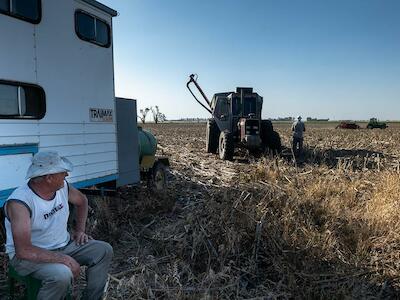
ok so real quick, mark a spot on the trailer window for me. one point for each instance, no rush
(102, 32)
(21, 101)
(85, 26)
(27, 10)
(92, 29)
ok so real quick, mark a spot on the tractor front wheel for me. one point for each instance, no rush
(212, 133)
(226, 146)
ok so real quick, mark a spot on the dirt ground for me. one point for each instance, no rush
(256, 227)
(205, 242)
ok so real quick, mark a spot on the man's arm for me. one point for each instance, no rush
(19, 217)
(80, 202)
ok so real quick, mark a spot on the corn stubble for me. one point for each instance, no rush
(266, 228)
(261, 228)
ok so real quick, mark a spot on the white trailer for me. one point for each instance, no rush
(57, 89)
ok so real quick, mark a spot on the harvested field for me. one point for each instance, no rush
(260, 227)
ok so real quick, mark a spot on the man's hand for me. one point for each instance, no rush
(81, 238)
(72, 264)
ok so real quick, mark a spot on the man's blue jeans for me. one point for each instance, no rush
(297, 146)
(57, 278)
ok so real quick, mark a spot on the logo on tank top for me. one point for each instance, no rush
(53, 211)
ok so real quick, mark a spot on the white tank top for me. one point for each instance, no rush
(48, 218)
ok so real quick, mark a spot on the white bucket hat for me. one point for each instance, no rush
(48, 162)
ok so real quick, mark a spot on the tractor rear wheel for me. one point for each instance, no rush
(226, 146)
(266, 127)
(212, 133)
(273, 142)
(270, 139)
(266, 130)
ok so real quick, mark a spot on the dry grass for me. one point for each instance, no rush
(261, 228)
(269, 230)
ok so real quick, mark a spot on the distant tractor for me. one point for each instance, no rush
(374, 123)
(348, 125)
(236, 122)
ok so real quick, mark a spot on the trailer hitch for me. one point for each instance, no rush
(194, 80)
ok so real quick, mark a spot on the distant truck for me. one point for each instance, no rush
(348, 125)
(374, 123)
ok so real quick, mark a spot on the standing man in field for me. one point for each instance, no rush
(298, 128)
(38, 243)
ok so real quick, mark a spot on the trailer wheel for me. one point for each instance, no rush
(159, 177)
(212, 133)
(226, 146)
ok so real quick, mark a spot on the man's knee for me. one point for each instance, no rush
(60, 275)
(56, 280)
(103, 249)
(108, 250)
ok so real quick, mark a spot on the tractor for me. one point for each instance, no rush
(374, 123)
(236, 122)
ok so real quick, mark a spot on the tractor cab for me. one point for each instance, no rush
(232, 110)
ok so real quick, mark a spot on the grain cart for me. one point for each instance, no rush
(236, 122)
(347, 125)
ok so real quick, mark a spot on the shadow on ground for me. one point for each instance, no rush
(354, 159)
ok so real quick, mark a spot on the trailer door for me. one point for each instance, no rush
(127, 140)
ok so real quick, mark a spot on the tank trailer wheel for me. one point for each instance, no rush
(159, 177)
(226, 146)
(212, 133)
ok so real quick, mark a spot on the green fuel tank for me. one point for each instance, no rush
(147, 143)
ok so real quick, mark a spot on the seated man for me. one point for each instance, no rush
(38, 242)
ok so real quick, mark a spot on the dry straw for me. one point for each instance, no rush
(261, 228)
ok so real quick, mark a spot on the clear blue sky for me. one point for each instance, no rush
(337, 59)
